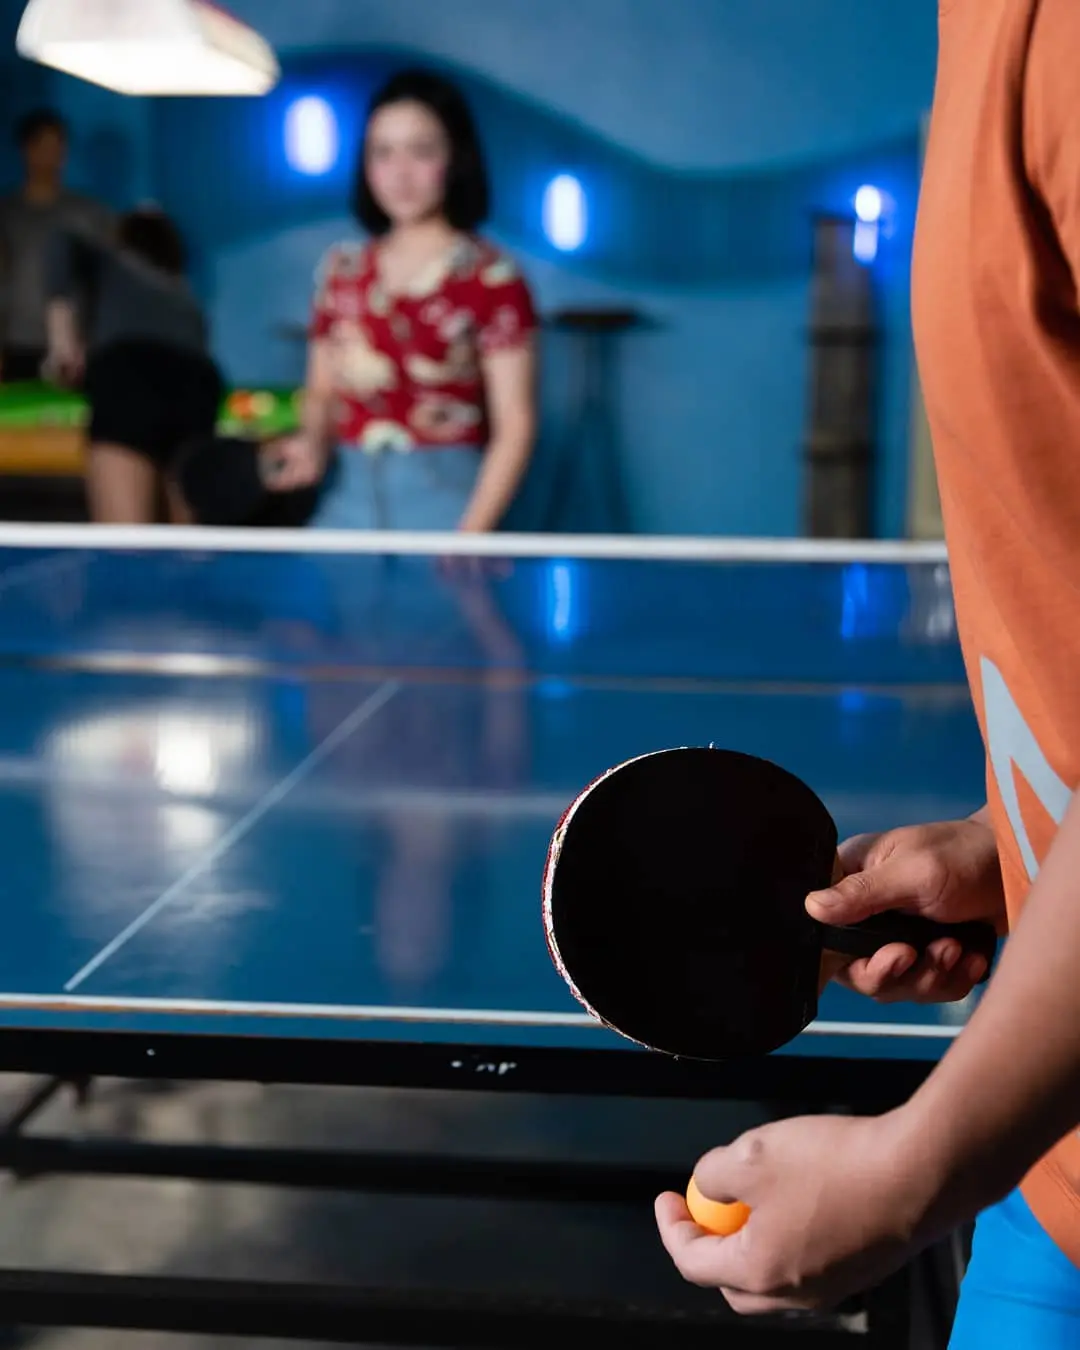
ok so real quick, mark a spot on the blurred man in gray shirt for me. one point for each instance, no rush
(28, 218)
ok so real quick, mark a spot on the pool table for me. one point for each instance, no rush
(42, 427)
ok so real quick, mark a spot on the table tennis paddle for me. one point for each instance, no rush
(228, 480)
(674, 905)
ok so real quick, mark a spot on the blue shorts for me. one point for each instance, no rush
(1020, 1289)
(425, 489)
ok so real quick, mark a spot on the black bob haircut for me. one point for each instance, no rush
(467, 197)
(152, 236)
(31, 125)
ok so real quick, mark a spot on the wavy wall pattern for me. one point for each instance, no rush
(222, 171)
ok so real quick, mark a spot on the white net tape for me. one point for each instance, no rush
(673, 548)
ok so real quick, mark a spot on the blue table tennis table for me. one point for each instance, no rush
(281, 815)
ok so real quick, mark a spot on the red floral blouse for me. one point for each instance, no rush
(406, 368)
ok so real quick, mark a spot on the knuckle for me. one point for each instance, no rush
(857, 846)
(933, 874)
(907, 839)
(749, 1150)
(882, 988)
(881, 849)
(930, 985)
(856, 886)
(908, 844)
(863, 982)
(709, 1161)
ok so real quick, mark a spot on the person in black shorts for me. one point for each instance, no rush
(144, 361)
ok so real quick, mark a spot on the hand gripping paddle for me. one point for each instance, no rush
(674, 904)
(228, 480)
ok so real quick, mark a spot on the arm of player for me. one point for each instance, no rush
(510, 383)
(317, 419)
(837, 1203)
(67, 258)
(65, 358)
(300, 460)
(1009, 1089)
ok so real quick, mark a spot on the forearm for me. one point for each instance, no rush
(317, 415)
(61, 325)
(504, 465)
(1009, 1088)
(317, 419)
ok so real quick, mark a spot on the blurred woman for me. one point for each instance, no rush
(144, 362)
(420, 403)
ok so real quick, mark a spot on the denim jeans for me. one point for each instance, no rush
(426, 489)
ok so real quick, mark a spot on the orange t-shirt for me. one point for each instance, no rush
(997, 322)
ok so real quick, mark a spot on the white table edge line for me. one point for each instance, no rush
(76, 1003)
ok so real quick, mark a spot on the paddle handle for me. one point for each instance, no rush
(868, 937)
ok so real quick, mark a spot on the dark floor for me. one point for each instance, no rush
(180, 1228)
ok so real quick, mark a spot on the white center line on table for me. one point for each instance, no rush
(373, 704)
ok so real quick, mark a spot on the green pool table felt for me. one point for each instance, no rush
(261, 412)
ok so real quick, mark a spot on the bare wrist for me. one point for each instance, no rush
(932, 1197)
(477, 519)
(318, 444)
(954, 1167)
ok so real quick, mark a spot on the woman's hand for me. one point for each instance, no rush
(509, 389)
(948, 872)
(294, 462)
(65, 364)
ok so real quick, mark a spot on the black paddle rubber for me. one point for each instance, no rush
(674, 904)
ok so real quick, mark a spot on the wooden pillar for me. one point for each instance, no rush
(840, 444)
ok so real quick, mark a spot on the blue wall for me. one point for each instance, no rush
(706, 133)
(21, 86)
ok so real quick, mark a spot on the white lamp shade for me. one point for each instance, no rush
(149, 47)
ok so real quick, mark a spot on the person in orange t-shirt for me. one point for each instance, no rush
(837, 1203)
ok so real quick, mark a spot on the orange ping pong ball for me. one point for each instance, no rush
(713, 1215)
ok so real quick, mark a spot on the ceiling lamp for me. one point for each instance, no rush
(149, 47)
